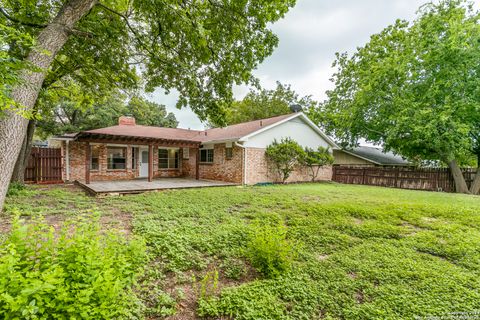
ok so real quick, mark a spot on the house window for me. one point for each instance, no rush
(186, 153)
(228, 153)
(134, 158)
(206, 155)
(116, 158)
(94, 156)
(168, 158)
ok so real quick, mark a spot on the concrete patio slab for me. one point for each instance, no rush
(142, 185)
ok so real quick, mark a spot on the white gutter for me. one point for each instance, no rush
(244, 161)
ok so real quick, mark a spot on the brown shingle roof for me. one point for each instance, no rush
(232, 132)
(149, 132)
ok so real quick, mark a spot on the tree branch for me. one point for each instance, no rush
(28, 24)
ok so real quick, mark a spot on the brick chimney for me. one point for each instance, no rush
(126, 121)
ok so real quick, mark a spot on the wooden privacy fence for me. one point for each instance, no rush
(433, 179)
(44, 166)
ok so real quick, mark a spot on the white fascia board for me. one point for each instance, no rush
(219, 141)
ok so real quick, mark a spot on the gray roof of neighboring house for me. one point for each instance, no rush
(377, 156)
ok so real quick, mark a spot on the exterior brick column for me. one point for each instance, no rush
(197, 164)
(150, 163)
(87, 163)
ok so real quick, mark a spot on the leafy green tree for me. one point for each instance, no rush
(284, 156)
(316, 159)
(73, 113)
(261, 104)
(414, 87)
(200, 48)
(10, 66)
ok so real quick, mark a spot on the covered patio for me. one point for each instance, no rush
(143, 185)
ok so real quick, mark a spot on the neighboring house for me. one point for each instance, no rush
(40, 143)
(233, 154)
(364, 156)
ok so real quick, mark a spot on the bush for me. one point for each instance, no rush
(269, 251)
(316, 159)
(284, 156)
(78, 272)
(15, 189)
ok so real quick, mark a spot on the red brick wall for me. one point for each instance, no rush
(259, 170)
(77, 165)
(222, 169)
(188, 165)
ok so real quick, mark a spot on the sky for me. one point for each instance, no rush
(309, 36)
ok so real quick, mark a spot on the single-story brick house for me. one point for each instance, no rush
(232, 154)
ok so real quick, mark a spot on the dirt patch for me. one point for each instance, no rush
(359, 297)
(118, 221)
(322, 257)
(429, 219)
(357, 221)
(413, 229)
(186, 308)
(5, 224)
(237, 208)
(311, 198)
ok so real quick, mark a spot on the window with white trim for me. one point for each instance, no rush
(168, 158)
(206, 155)
(94, 157)
(228, 153)
(116, 158)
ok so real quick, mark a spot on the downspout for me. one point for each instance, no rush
(67, 160)
(244, 161)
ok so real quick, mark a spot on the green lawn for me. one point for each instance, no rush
(360, 252)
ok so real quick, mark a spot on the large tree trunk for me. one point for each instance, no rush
(49, 41)
(475, 187)
(460, 184)
(22, 160)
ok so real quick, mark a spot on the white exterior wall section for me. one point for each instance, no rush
(296, 129)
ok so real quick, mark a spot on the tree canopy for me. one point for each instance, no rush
(263, 103)
(414, 87)
(11, 65)
(73, 114)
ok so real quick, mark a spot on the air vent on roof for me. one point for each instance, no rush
(296, 108)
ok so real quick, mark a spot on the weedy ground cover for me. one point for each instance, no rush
(307, 251)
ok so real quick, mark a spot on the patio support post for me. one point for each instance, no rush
(150, 163)
(197, 165)
(87, 163)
